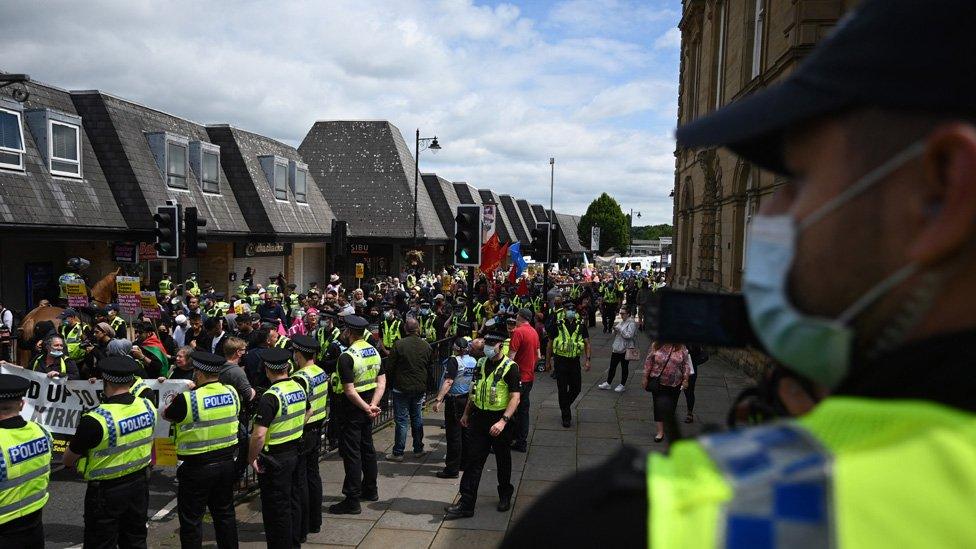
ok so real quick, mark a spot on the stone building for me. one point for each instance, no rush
(730, 48)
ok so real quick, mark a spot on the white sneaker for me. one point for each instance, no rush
(619, 388)
(603, 386)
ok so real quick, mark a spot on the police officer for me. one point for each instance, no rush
(391, 328)
(315, 382)
(276, 440)
(75, 266)
(112, 449)
(117, 322)
(358, 385)
(205, 421)
(273, 287)
(326, 334)
(427, 320)
(75, 333)
(292, 300)
(165, 286)
(25, 451)
(191, 286)
(874, 137)
(492, 402)
(568, 340)
(453, 397)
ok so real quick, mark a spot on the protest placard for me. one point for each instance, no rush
(150, 307)
(77, 293)
(129, 295)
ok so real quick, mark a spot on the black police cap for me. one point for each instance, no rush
(13, 387)
(207, 362)
(495, 336)
(118, 369)
(356, 322)
(895, 54)
(305, 343)
(276, 359)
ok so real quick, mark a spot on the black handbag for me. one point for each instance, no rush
(654, 382)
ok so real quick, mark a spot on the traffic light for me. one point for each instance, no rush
(540, 242)
(196, 234)
(167, 232)
(340, 236)
(467, 235)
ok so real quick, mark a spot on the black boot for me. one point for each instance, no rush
(348, 506)
(445, 474)
(457, 511)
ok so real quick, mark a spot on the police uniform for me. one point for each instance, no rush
(118, 324)
(460, 369)
(74, 336)
(281, 409)
(191, 286)
(492, 385)
(205, 422)
(390, 328)
(115, 441)
(428, 329)
(25, 453)
(315, 382)
(360, 365)
(165, 286)
(568, 340)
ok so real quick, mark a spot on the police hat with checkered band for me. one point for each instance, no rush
(118, 369)
(305, 344)
(276, 359)
(207, 362)
(13, 387)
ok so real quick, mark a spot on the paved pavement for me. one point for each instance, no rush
(411, 507)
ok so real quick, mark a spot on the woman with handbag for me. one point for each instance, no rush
(623, 350)
(666, 372)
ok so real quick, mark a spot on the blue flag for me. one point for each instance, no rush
(515, 252)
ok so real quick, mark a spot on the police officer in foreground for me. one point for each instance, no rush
(494, 397)
(276, 440)
(876, 131)
(205, 421)
(358, 385)
(315, 382)
(25, 451)
(112, 448)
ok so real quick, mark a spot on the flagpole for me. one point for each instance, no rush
(545, 256)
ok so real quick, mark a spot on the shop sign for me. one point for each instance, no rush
(262, 249)
(125, 252)
(147, 251)
(359, 249)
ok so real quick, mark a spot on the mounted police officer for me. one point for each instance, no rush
(205, 421)
(75, 266)
(25, 451)
(358, 385)
(494, 396)
(315, 382)
(276, 440)
(112, 448)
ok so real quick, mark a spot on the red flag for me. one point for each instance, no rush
(523, 287)
(489, 255)
(511, 275)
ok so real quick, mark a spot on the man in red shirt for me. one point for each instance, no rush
(524, 350)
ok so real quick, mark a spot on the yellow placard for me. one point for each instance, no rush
(360, 270)
(147, 300)
(127, 285)
(75, 289)
(165, 451)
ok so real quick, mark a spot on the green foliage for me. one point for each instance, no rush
(651, 232)
(605, 212)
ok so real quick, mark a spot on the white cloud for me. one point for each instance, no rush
(669, 40)
(503, 91)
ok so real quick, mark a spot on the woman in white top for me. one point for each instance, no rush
(624, 337)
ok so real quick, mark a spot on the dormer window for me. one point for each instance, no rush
(276, 170)
(205, 161)
(11, 139)
(172, 158)
(58, 138)
(298, 173)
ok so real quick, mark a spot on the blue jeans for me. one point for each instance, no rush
(406, 406)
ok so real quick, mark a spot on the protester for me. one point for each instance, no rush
(666, 371)
(410, 363)
(524, 350)
(183, 363)
(624, 339)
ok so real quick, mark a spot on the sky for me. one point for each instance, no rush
(503, 85)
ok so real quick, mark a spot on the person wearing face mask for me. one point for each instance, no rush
(205, 422)
(54, 362)
(391, 328)
(569, 339)
(326, 334)
(876, 137)
(427, 320)
(494, 397)
(75, 333)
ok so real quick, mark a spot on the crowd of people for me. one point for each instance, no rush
(266, 366)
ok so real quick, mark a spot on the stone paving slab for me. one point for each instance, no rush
(412, 500)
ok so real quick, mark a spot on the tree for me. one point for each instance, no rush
(651, 232)
(605, 212)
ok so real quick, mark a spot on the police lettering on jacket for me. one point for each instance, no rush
(27, 450)
(216, 401)
(136, 423)
(294, 396)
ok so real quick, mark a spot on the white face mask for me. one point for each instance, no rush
(491, 352)
(818, 348)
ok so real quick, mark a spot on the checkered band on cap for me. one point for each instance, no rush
(127, 378)
(12, 395)
(204, 367)
(277, 367)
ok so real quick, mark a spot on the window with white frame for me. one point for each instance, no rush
(210, 168)
(299, 180)
(11, 140)
(176, 165)
(757, 36)
(722, 15)
(65, 149)
(281, 181)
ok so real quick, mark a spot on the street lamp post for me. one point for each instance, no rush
(630, 231)
(432, 144)
(552, 222)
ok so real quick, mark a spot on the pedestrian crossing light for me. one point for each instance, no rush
(196, 234)
(540, 242)
(467, 235)
(167, 232)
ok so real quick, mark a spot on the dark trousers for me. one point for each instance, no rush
(116, 513)
(26, 532)
(457, 436)
(203, 487)
(299, 498)
(313, 478)
(609, 315)
(358, 454)
(618, 358)
(665, 402)
(522, 416)
(243, 443)
(277, 512)
(690, 392)
(568, 381)
(481, 443)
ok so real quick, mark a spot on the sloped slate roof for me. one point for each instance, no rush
(118, 129)
(515, 219)
(541, 214)
(527, 216)
(35, 197)
(466, 193)
(502, 224)
(366, 172)
(444, 198)
(569, 233)
(239, 153)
